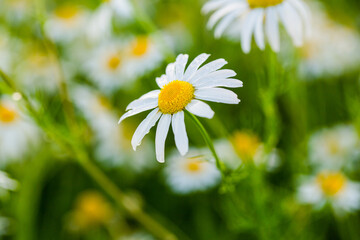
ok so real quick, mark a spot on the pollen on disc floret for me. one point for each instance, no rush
(175, 96)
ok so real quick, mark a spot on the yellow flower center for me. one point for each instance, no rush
(263, 3)
(7, 115)
(246, 145)
(194, 166)
(175, 96)
(113, 62)
(140, 46)
(331, 182)
(67, 12)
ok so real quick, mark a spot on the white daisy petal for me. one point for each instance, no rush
(304, 13)
(180, 65)
(248, 26)
(212, 5)
(161, 134)
(230, 83)
(259, 31)
(292, 22)
(216, 16)
(143, 108)
(162, 81)
(140, 103)
(225, 22)
(217, 75)
(149, 95)
(145, 127)
(170, 72)
(208, 68)
(272, 29)
(219, 95)
(179, 129)
(194, 65)
(200, 109)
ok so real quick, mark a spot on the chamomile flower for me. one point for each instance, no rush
(344, 41)
(18, 132)
(66, 23)
(333, 148)
(112, 143)
(191, 173)
(332, 187)
(259, 18)
(182, 90)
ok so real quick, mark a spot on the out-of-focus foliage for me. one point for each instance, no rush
(290, 149)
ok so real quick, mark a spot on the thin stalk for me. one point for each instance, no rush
(204, 133)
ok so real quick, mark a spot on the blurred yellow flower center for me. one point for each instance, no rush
(331, 183)
(113, 62)
(67, 12)
(7, 115)
(263, 3)
(175, 96)
(193, 165)
(246, 145)
(140, 46)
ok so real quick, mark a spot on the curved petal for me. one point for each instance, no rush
(161, 133)
(259, 31)
(162, 81)
(292, 22)
(225, 22)
(304, 13)
(248, 26)
(150, 95)
(170, 72)
(180, 64)
(231, 83)
(194, 65)
(223, 11)
(212, 5)
(143, 108)
(219, 95)
(217, 75)
(179, 129)
(200, 109)
(144, 127)
(140, 103)
(272, 29)
(208, 68)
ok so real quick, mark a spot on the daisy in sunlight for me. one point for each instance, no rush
(260, 18)
(18, 132)
(182, 90)
(330, 187)
(191, 173)
(66, 23)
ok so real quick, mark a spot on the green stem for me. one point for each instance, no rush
(207, 139)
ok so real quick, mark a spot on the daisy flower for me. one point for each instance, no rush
(191, 173)
(333, 148)
(332, 187)
(182, 90)
(259, 18)
(66, 23)
(18, 132)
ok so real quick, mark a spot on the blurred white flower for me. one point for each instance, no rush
(6, 184)
(182, 90)
(112, 146)
(17, 131)
(331, 187)
(316, 58)
(38, 71)
(66, 23)
(333, 148)
(259, 18)
(15, 11)
(192, 172)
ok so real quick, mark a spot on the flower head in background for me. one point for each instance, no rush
(17, 130)
(335, 147)
(191, 173)
(332, 187)
(182, 90)
(91, 210)
(246, 145)
(260, 18)
(6, 184)
(344, 41)
(66, 23)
